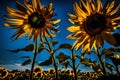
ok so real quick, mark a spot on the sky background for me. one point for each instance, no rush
(12, 60)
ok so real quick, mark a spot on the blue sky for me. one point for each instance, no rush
(12, 60)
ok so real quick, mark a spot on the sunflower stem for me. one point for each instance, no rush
(34, 58)
(73, 64)
(51, 54)
(101, 62)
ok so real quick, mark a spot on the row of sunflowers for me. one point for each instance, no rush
(93, 24)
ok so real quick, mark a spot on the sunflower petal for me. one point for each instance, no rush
(50, 6)
(28, 5)
(111, 6)
(34, 3)
(72, 16)
(99, 5)
(109, 38)
(73, 28)
(79, 11)
(56, 21)
(91, 41)
(71, 21)
(84, 6)
(21, 7)
(113, 11)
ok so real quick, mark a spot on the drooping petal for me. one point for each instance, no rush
(113, 11)
(21, 7)
(73, 28)
(110, 7)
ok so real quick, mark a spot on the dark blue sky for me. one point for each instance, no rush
(11, 60)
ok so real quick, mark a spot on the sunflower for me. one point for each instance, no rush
(3, 74)
(37, 69)
(93, 23)
(33, 20)
(51, 71)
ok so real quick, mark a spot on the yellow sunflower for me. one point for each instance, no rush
(93, 23)
(37, 69)
(33, 19)
(3, 74)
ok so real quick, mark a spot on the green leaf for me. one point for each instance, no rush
(46, 62)
(41, 47)
(28, 61)
(65, 46)
(25, 57)
(54, 42)
(110, 52)
(62, 57)
(109, 66)
(66, 63)
(27, 48)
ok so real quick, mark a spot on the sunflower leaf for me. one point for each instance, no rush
(28, 61)
(62, 57)
(27, 48)
(109, 66)
(65, 46)
(46, 62)
(66, 63)
(25, 57)
(54, 42)
(41, 48)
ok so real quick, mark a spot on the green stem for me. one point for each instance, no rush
(51, 54)
(34, 58)
(73, 64)
(101, 62)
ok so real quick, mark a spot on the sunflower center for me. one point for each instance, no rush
(95, 24)
(36, 20)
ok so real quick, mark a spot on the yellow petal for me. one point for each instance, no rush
(111, 6)
(28, 5)
(50, 6)
(72, 16)
(56, 21)
(73, 28)
(99, 5)
(71, 21)
(85, 6)
(34, 4)
(115, 10)
(79, 11)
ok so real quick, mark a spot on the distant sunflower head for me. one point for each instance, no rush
(51, 71)
(93, 23)
(3, 74)
(37, 69)
(33, 19)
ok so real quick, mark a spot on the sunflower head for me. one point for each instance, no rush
(34, 19)
(37, 69)
(3, 74)
(93, 23)
(51, 71)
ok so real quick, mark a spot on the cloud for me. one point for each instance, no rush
(16, 66)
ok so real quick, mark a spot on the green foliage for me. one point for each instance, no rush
(28, 61)
(46, 62)
(62, 57)
(65, 46)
